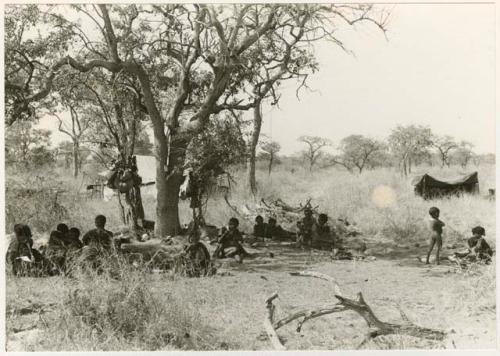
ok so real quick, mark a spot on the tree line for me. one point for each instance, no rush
(405, 147)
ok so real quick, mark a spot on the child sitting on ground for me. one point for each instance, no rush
(231, 239)
(305, 226)
(322, 236)
(436, 230)
(259, 229)
(275, 231)
(25, 260)
(478, 245)
(195, 258)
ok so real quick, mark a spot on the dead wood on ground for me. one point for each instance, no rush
(376, 326)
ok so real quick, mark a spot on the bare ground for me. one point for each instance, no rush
(233, 302)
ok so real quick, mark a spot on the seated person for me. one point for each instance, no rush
(56, 249)
(74, 239)
(479, 246)
(322, 235)
(195, 259)
(99, 237)
(25, 260)
(275, 231)
(259, 229)
(64, 230)
(305, 226)
(230, 242)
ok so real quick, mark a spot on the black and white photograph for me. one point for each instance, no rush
(251, 176)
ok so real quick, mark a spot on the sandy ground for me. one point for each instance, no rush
(233, 302)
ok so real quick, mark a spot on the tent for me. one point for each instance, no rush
(429, 187)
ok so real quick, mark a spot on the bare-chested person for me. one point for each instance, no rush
(99, 237)
(305, 226)
(322, 236)
(436, 230)
(195, 258)
(231, 239)
(25, 260)
(259, 229)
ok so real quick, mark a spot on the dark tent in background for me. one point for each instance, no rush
(429, 187)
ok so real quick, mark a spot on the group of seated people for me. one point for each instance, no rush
(315, 233)
(64, 246)
(311, 232)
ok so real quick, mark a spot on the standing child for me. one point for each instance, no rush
(436, 229)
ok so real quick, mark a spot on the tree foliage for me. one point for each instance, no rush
(444, 146)
(409, 144)
(269, 153)
(357, 151)
(314, 146)
(27, 146)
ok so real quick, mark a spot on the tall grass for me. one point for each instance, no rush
(337, 192)
(118, 309)
(344, 195)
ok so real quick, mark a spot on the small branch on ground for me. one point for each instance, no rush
(268, 323)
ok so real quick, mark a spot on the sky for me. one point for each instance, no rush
(435, 67)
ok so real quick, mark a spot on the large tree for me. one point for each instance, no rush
(444, 146)
(188, 60)
(408, 144)
(357, 151)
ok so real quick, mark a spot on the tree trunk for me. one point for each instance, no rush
(76, 165)
(168, 181)
(257, 124)
(122, 209)
(133, 209)
(270, 163)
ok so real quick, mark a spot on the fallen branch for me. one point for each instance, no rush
(379, 328)
(320, 276)
(376, 326)
(268, 323)
(307, 315)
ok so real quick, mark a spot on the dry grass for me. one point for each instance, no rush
(139, 311)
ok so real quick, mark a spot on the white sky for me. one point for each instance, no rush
(437, 68)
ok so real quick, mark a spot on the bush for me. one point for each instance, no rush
(33, 201)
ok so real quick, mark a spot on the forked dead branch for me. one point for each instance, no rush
(376, 326)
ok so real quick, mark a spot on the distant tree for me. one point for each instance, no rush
(65, 149)
(313, 151)
(269, 153)
(23, 143)
(358, 152)
(464, 154)
(444, 146)
(409, 144)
